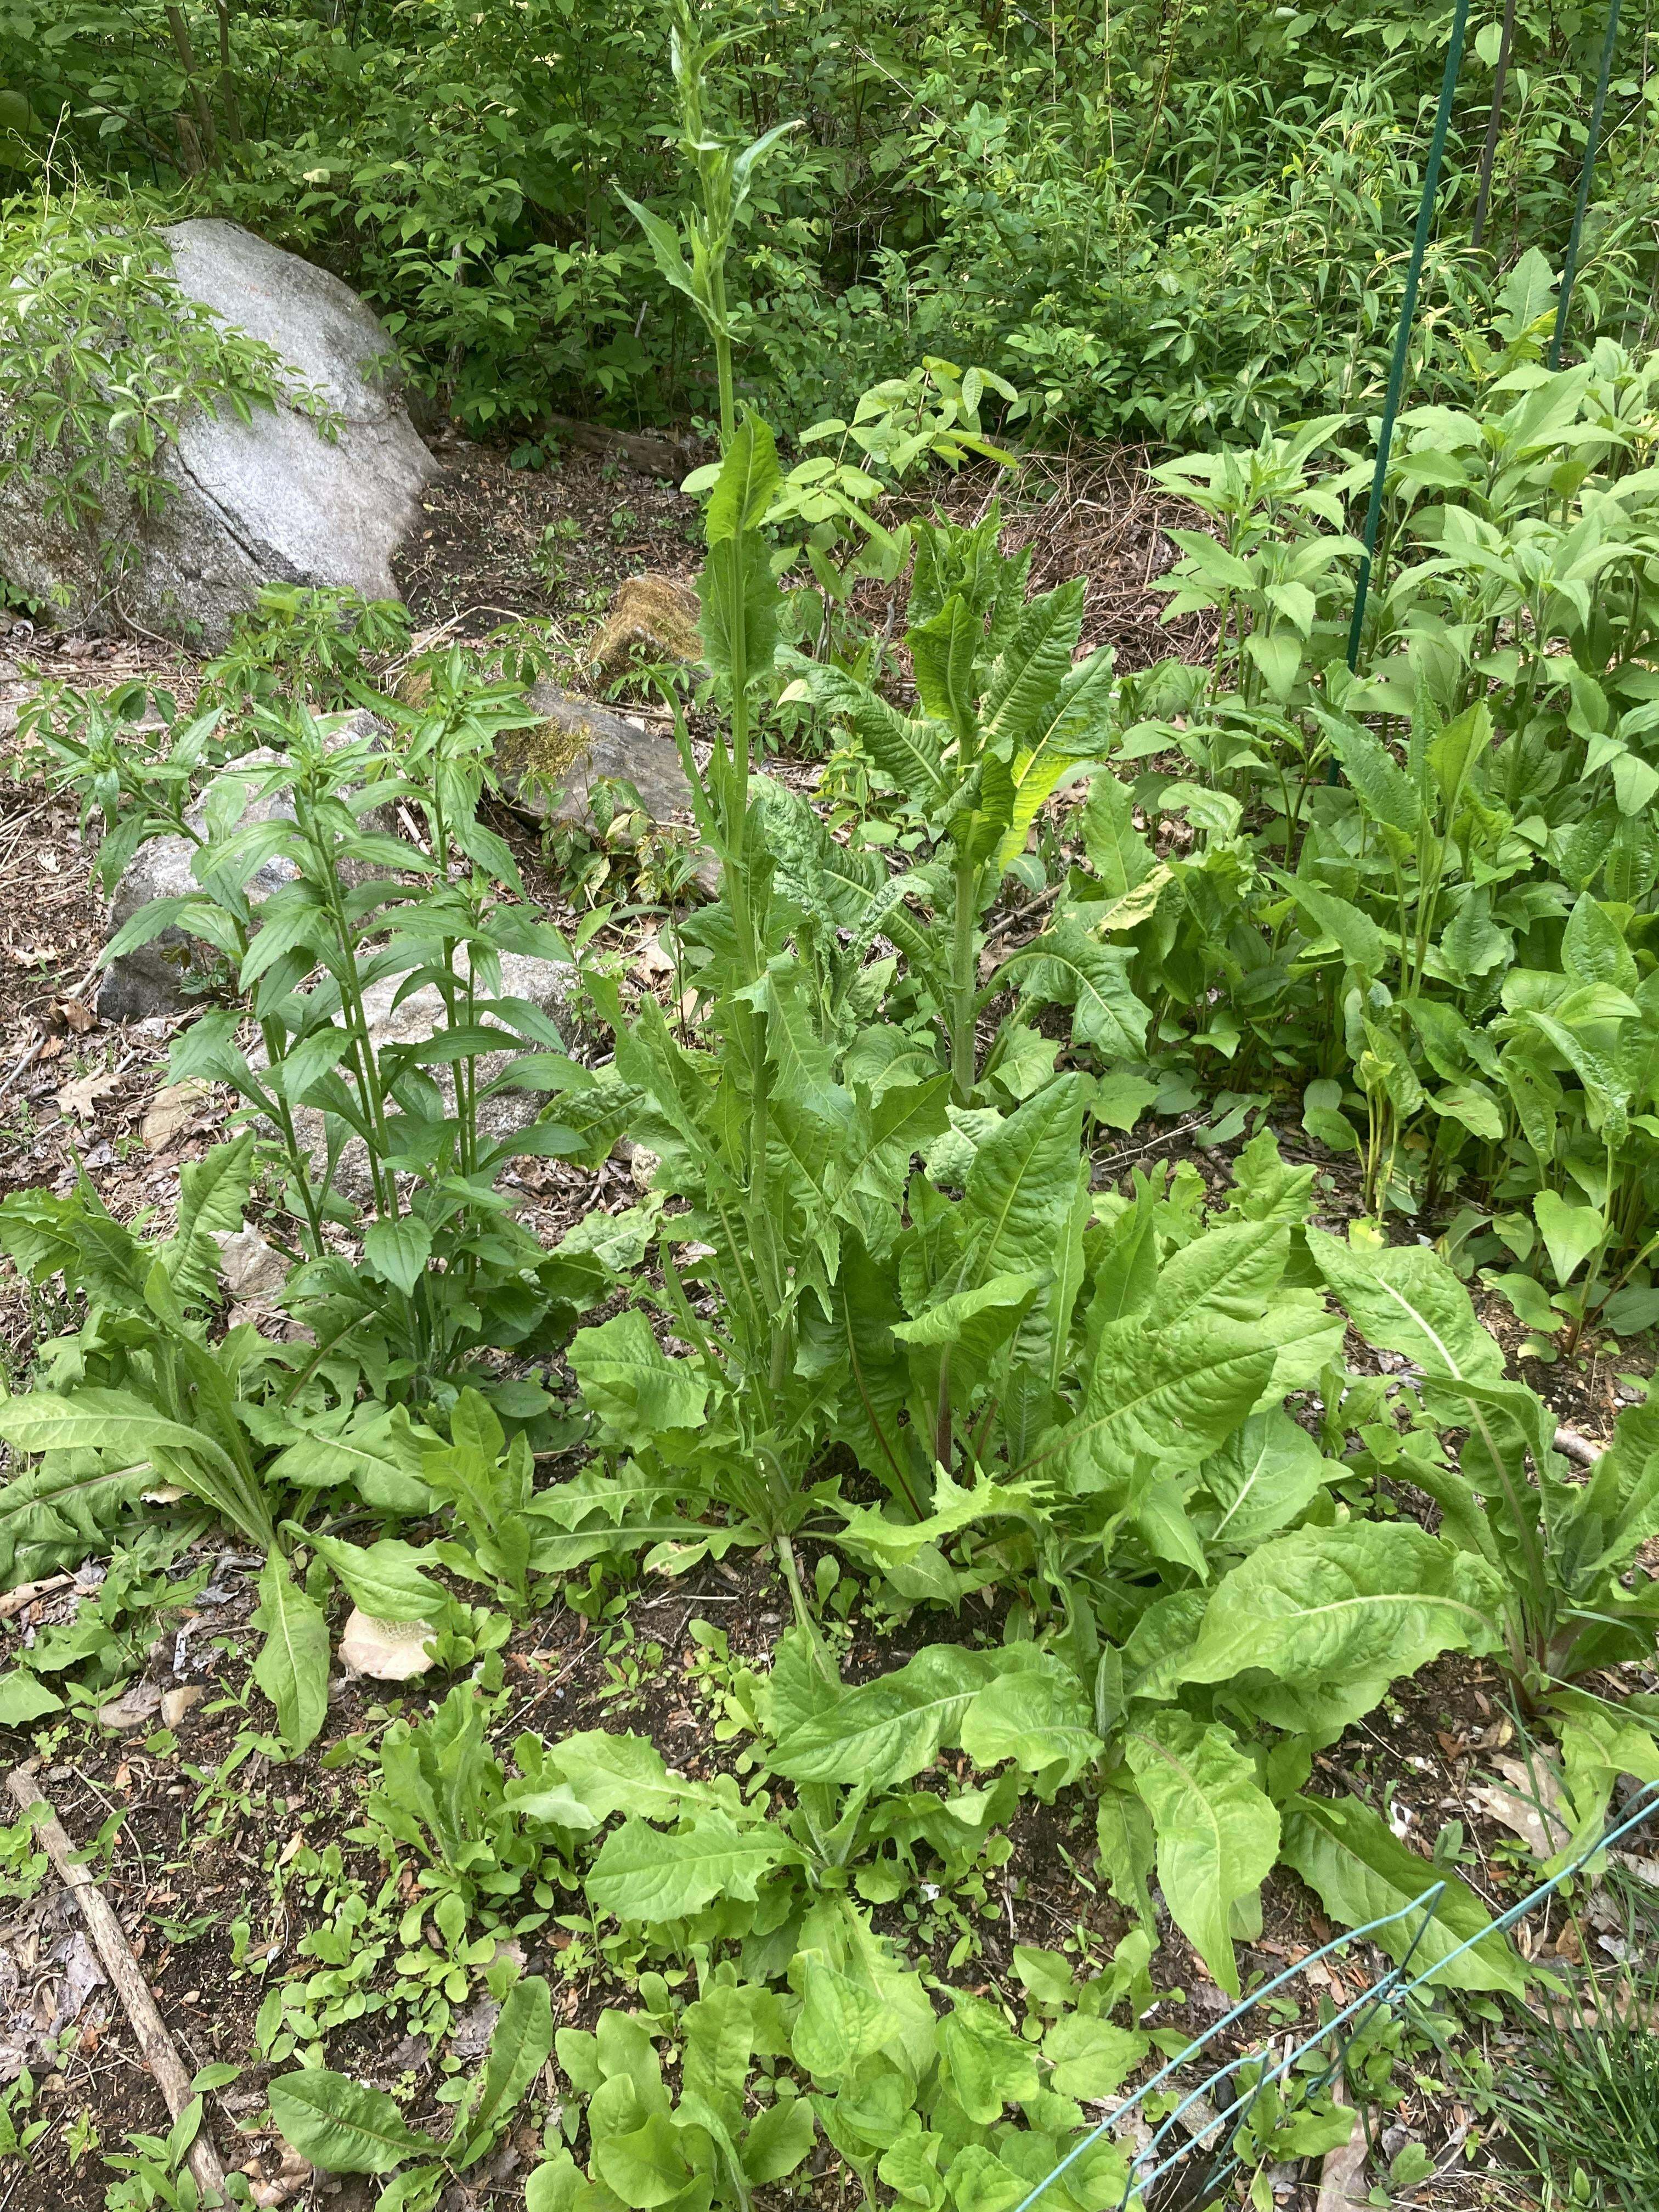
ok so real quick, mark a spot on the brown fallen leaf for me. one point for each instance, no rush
(651, 960)
(70, 1014)
(171, 1112)
(133, 1708)
(290, 2178)
(80, 1099)
(1531, 1807)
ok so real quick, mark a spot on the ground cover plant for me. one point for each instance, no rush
(1112, 1178)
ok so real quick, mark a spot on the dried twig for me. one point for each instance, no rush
(1569, 1442)
(27, 1061)
(160, 2052)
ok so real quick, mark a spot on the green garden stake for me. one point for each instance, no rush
(1591, 145)
(1407, 310)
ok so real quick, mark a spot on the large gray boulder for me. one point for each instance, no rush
(270, 500)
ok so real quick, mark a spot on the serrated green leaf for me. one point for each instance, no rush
(1361, 1872)
(642, 1873)
(1216, 1833)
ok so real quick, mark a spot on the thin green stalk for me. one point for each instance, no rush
(963, 981)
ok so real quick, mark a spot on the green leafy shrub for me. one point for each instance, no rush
(103, 359)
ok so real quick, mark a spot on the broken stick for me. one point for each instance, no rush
(160, 2052)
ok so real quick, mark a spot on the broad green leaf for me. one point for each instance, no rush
(342, 2125)
(1599, 1744)
(1092, 2059)
(942, 653)
(102, 1420)
(887, 1542)
(616, 1774)
(1475, 1106)
(642, 1873)
(24, 1698)
(519, 2049)
(1336, 1614)
(1384, 790)
(1358, 938)
(630, 1383)
(212, 1192)
(646, 2167)
(908, 750)
(1404, 1299)
(1119, 853)
(1123, 1832)
(398, 1251)
(988, 2065)
(1593, 948)
(1217, 1834)
(1038, 1718)
(1278, 655)
(54, 1514)
(1231, 1270)
(380, 1453)
(292, 1666)
(1073, 729)
(739, 595)
(778, 2139)
(1067, 966)
(886, 1730)
(1266, 1473)
(384, 1578)
(746, 485)
(1021, 1183)
(1570, 1233)
(839, 2022)
(557, 2184)
(1453, 752)
(972, 1323)
(1361, 1872)
(1160, 1398)
(1030, 670)
(665, 249)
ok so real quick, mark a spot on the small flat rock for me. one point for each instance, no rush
(385, 1651)
(150, 982)
(175, 1703)
(547, 770)
(249, 1267)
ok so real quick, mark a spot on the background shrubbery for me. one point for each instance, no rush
(1183, 220)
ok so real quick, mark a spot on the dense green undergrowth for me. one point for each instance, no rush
(1184, 222)
(874, 1299)
(1175, 1489)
